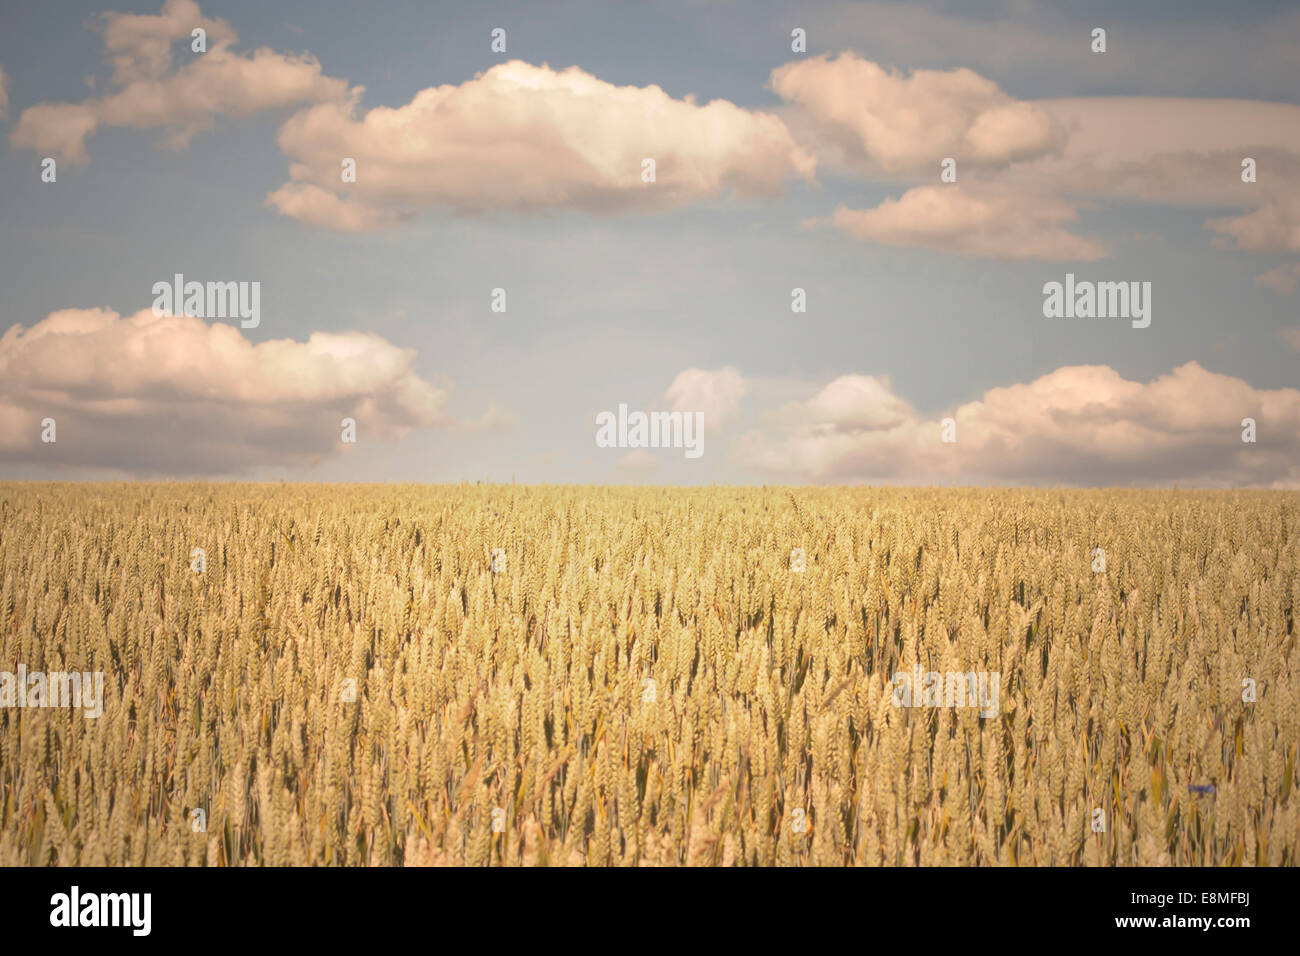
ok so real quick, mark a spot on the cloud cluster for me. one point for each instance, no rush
(166, 395)
(883, 124)
(526, 138)
(153, 92)
(1078, 425)
(1180, 151)
(1273, 228)
(716, 393)
(878, 120)
(986, 220)
(520, 137)
(1025, 168)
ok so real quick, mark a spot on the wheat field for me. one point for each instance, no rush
(501, 675)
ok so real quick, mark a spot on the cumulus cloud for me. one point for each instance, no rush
(1272, 228)
(996, 222)
(716, 393)
(1083, 425)
(1172, 151)
(153, 92)
(527, 138)
(154, 395)
(1169, 149)
(1039, 159)
(1182, 152)
(314, 206)
(883, 121)
(4, 95)
(1282, 280)
(857, 401)
(1291, 337)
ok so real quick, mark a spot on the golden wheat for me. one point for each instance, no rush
(644, 678)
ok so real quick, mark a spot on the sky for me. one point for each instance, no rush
(795, 147)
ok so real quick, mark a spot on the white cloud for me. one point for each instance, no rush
(1036, 161)
(1082, 425)
(523, 137)
(883, 121)
(314, 206)
(858, 401)
(1282, 280)
(153, 92)
(1272, 228)
(1182, 152)
(996, 222)
(1171, 149)
(1167, 150)
(177, 395)
(716, 393)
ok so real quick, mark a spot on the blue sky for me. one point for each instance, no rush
(610, 306)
